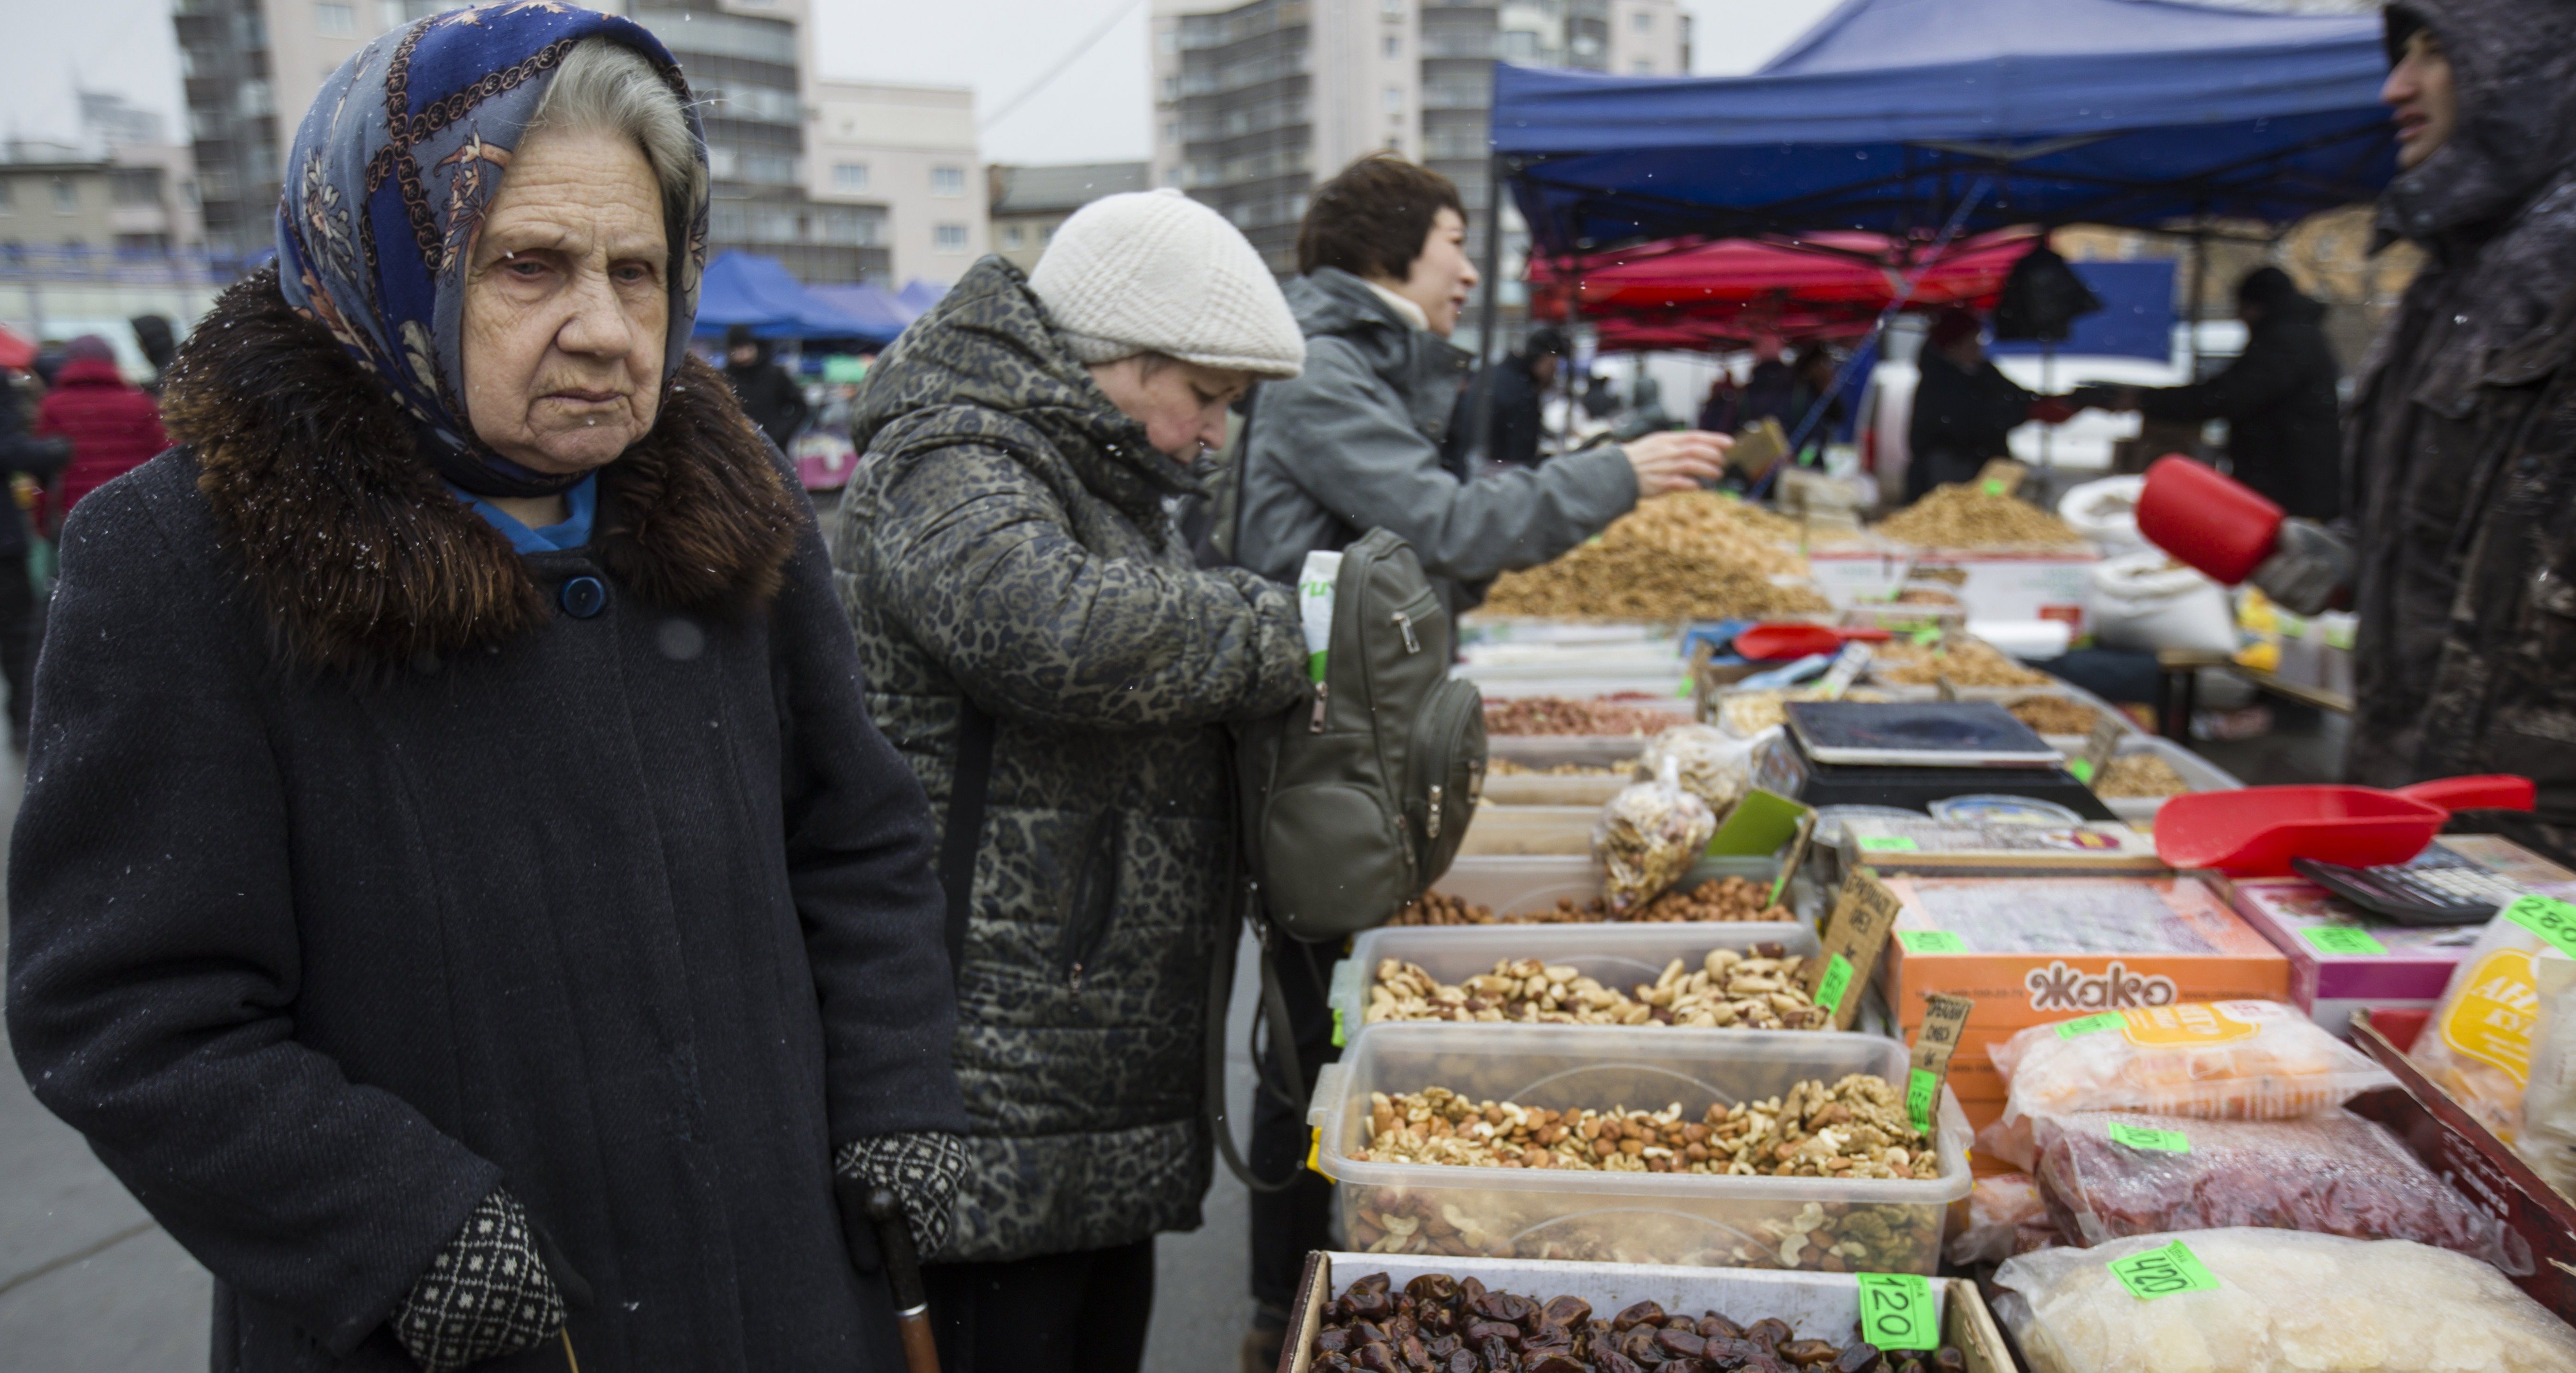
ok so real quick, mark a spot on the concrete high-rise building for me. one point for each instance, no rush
(252, 66)
(902, 159)
(1029, 202)
(1255, 103)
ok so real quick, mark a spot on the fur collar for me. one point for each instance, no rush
(364, 561)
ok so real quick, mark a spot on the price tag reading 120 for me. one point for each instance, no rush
(1896, 1311)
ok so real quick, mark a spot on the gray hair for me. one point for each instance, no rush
(604, 86)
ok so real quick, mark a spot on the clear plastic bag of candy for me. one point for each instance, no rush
(2273, 1301)
(2108, 1175)
(1649, 835)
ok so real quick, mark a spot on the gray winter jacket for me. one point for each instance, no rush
(1005, 542)
(2436, 413)
(1353, 444)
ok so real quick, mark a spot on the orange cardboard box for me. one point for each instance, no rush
(2034, 950)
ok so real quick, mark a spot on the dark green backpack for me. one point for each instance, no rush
(1355, 799)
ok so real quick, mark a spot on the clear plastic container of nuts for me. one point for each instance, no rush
(1813, 1116)
(1756, 989)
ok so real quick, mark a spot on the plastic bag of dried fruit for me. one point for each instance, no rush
(2108, 1175)
(2477, 1046)
(1649, 835)
(2548, 1141)
(2230, 1060)
(1716, 767)
(2006, 1216)
(2273, 1301)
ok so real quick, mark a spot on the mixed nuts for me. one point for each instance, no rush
(1726, 900)
(1757, 989)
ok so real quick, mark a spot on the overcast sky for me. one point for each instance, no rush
(1094, 112)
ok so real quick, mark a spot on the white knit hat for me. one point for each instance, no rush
(1158, 272)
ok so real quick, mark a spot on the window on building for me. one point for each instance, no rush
(134, 186)
(1642, 67)
(1169, 40)
(1392, 9)
(66, 195)
(849, 177)
(948, 181)
(1643, 21)
(948, 238)
(1171, 131)
(1395, 45)
(1395, 100)
(8, 195)
(335, 18)
(1014, 237)
(256, 100)
(1171, 89)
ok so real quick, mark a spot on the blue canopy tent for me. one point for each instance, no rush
(919, 294)
(748, 289)
(871, 305)
(1908, 116)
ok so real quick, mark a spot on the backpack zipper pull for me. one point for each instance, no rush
(1323, 692)
(1405, 622)
(1431, 827)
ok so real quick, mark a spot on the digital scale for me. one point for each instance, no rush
(1910, 754)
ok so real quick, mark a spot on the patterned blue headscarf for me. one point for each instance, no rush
(392, 171)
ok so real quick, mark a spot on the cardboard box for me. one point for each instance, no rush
(2483, 1168)
(2032, 951)
(2330, 986)
(1824, 1306)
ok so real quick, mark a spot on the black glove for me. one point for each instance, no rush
(923, 1169)
(2309, 567)
(491, 1291)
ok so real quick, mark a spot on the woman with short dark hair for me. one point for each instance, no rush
(459, 888)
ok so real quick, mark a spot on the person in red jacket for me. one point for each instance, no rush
(113, 426)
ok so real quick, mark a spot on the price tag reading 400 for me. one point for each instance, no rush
(1896, 1311)
(2163, 1272)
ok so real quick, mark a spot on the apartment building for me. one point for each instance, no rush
(1029, 202)
(902, 158)
(251, 67)
(1254, 103)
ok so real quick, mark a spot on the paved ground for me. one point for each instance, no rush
(88, 1284)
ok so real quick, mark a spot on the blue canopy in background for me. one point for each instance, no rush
(2136, 319)
(749, 289)
(1889, 113)
(883, 313)
(919, 294)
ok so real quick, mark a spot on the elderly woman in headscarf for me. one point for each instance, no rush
(460, 890)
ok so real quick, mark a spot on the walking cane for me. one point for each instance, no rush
(903, 1277)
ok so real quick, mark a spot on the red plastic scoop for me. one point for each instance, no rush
(2257, 831)
(1779, 639)
(2207, 519)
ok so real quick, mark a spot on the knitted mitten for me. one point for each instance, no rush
(923, 1169)
(486, 1294)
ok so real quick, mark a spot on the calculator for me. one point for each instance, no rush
(2439, 888)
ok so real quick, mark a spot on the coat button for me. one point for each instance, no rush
(583, 597)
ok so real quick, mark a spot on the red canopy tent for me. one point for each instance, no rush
(16, 352)
(1830, 285)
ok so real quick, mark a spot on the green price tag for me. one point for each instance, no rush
(1896, 1311)
(2552, 920)
(1835, 982)
(1337, 1027)
(2344, 939)
(1682, 692)
(1888, 843)
(1922, 1090)
(2089, 1025)
(2163, 1272)
(1994, 486)
(2082, 768)
(2142, 1137)
(1925, 635)
(1931, 941)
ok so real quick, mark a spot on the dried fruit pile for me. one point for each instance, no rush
(1440, 1324)
(2054, 714)
(1737, 989)
(1695, 555)
(1527, 715)
(2140, 774)
(1731, 900)
(1963, 660)
(1966, 515)
(1856, 1128)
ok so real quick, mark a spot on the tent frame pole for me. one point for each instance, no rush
(1482, 439)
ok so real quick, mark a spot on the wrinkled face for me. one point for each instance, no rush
(566, 308)
(1441, 275)
(1181, 404)
(2422, 98)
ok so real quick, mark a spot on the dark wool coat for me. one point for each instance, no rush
(2284, 431)
(1005, 541)
(358, 874)
(2438, 418)
(1962, 419)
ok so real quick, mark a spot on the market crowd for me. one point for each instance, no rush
(502, 892)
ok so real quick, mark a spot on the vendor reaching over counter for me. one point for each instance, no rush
(1965, 407)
